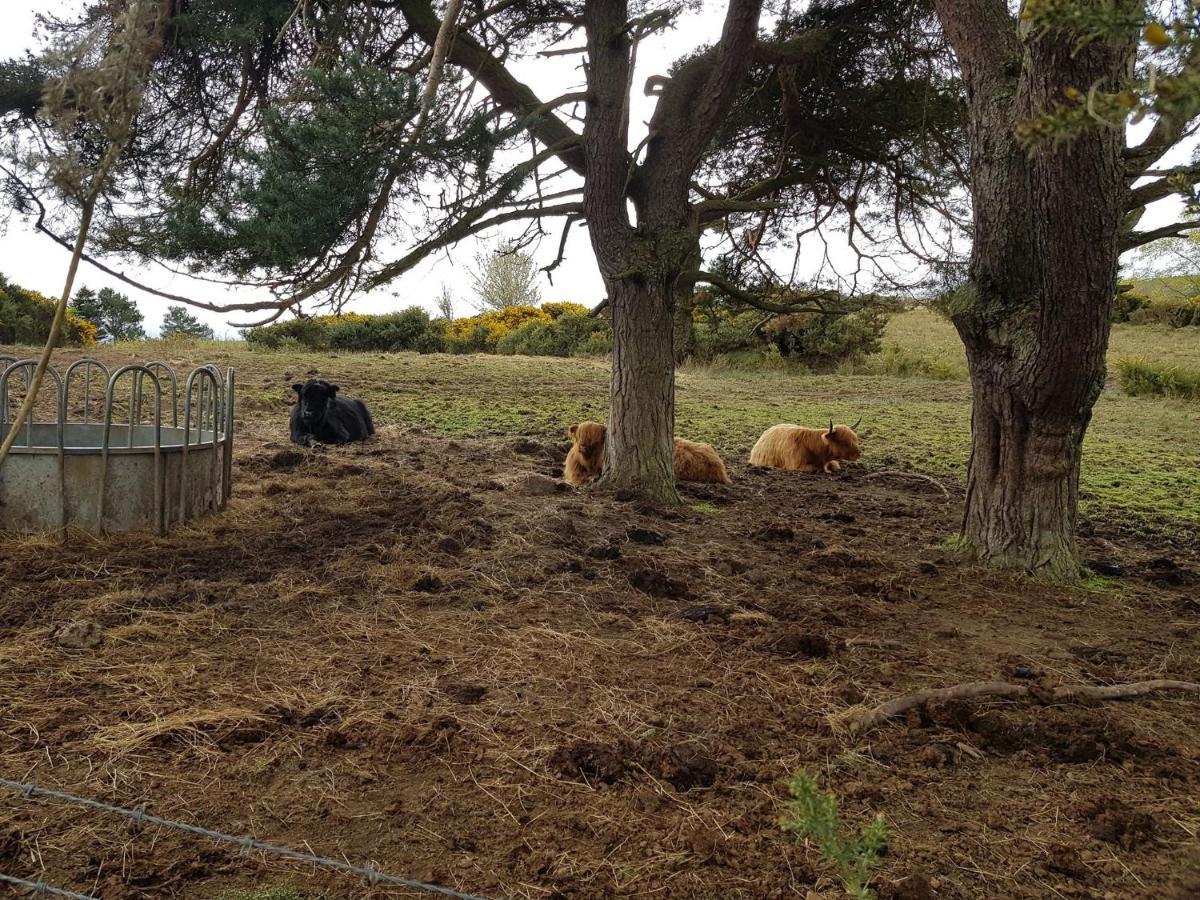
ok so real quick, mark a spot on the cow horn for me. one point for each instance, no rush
(856, 424)
(831, 426)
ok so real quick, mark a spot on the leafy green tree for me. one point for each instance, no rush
(505, 277)
(115, 316)
(179, 321)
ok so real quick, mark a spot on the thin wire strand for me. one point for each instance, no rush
(374, 876)
(40, 888)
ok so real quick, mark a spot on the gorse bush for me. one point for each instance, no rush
(26, 316)
(813, 813)
(557, 309)
(1140, 377)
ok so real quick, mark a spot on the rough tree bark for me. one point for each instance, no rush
(1034, 313)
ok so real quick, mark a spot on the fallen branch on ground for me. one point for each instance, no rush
(859, 719)
(896, 473)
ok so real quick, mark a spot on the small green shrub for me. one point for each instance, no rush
(1180, 313)
(1140, 377)
(813, 813)
(719, 332)
(898, 362)
(823, 342)
(1126, 302)
(311, 334)
(408, 329)
(569, 334)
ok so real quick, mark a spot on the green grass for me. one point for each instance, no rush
(923, 333)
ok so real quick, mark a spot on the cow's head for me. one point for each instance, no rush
(589, 438)
(315, 397)
(843, 441)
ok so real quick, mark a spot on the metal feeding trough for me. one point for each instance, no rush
(139, 456)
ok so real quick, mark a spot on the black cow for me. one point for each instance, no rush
(321, 415)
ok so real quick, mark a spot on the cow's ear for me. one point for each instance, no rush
(297, 387)
(333, 389)
(571, 431)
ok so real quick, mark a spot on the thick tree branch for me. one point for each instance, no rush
(751, 299)
(1133, 239)
(696, 100)
(513, 95)
(463, 228)
(1171, 181)
(983, 35)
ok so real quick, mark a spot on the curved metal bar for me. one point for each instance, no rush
(195, 383)
(159, 367)
(159, 482)
(227, 472)
(13, 365)
(88, 364)
(28, 365)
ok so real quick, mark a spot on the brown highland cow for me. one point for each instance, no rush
(806, 449)
(693, 461)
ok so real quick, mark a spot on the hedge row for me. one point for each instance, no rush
(554, 329)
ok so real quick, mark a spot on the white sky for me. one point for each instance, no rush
(36, 262)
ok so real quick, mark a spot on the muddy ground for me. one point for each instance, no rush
(414, 655)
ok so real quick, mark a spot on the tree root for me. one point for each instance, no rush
(859, 719)
(896, 473)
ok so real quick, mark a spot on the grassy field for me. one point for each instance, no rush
(928, 334)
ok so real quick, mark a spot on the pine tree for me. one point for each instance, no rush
(179, 321)
(115, 316)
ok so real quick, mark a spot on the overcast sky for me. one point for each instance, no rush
(35, 261)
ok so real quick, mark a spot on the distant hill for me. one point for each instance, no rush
(1168, 287)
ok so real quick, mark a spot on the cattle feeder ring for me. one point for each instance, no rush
(123, 450)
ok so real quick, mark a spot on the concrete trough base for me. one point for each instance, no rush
(43, 488)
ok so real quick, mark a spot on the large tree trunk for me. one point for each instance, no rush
(1023, 482)
(641, 263)
(1034, 314)
(641, 423)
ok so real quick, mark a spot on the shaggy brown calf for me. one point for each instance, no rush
(693, 461)
(806, 449)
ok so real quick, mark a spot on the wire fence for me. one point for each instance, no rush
(40, 888)
(373, 876)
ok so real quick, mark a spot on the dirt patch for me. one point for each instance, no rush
(393, 653)
(1116, 822)
(592, 762)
